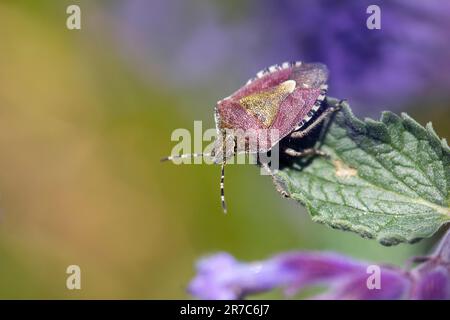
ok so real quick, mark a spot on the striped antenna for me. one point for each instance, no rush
(222, 189)
(184, 156)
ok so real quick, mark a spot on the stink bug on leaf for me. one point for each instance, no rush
(282, 97)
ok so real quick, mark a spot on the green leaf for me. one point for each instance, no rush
(385, 179)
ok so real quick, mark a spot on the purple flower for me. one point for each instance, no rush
(432, 278)
(432, 283)
(222, 277)
(403, 60)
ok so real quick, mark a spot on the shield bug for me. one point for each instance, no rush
(287, 98)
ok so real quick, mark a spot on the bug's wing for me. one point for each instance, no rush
(255, 110)
(278, 98)
(310, 75)
(304, 102)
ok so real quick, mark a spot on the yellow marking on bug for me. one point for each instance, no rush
(264, 105)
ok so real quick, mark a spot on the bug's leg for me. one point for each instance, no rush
(184, 156)
(277, 184)
(222, 188)
(305, 152)
(323, 116)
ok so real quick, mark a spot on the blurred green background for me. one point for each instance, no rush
(81, 135)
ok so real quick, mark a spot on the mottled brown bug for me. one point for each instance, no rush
(283, 97)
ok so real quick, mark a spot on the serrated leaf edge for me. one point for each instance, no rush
(360, 125)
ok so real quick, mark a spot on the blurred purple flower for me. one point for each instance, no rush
(222, 277)
(403, 60)
(432, 278)
(191, 44)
